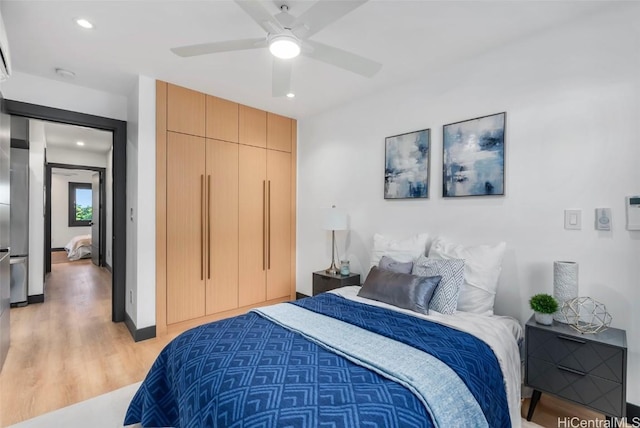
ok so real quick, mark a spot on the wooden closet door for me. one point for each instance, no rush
(222, 119)
(279, 227)
(185, 110)
(278, 132)
(252, 129)
(185, 227)
(222, 242)
(252, 266)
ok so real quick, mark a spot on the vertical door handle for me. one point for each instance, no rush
(269, 224)
(264, 220)
(208, 226)
(202, 227)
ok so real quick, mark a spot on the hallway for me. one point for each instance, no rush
(66, 349)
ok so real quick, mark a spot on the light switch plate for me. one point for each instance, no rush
(573, 219)
(603, 218)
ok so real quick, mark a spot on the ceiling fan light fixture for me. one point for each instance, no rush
(284, 46)
(291, 95)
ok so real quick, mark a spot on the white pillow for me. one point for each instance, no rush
(407, 250)
(482, 266)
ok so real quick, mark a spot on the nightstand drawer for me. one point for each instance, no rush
(323, 281)
(576, 353)
(595, 392)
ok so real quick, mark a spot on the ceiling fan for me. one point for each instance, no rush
(288, 36)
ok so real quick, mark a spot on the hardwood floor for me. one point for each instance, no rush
(67, 350)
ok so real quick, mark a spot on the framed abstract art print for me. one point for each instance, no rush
(406, 171)
(473, 157)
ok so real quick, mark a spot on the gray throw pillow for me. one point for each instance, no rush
(387, 263)
(399, 289)
(445, 297)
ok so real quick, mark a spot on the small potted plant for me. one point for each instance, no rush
(544, 307)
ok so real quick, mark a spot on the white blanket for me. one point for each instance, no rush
(500, 333)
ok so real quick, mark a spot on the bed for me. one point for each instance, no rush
(79, 247)
(347, 358)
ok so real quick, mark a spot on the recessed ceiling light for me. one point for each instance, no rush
(80, 143)
(291, 95)
(84, 23)
(67, 74)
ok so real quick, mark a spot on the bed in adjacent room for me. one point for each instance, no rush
(79, 247)
(377, 355)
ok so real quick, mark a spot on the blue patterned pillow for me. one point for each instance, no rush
(445, 296)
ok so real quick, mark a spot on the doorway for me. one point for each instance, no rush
(96, 227)
(118, 129)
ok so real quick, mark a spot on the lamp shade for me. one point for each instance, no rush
(335, 219)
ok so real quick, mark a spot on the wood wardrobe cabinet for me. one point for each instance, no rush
(225, 225)
(265, 201)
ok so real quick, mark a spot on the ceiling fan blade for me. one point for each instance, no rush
(215, 47)
(340, 58)
(260, 15)
(321, 14)
(281, 77)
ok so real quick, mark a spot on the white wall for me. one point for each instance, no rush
(61, 233)
(141, 203)
(36, 208)
(572, 100)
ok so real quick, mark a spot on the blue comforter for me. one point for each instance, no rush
(248, 371)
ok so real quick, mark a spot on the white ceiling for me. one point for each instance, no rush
(61, 136)
(410, 38)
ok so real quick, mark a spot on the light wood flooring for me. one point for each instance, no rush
(67, 350)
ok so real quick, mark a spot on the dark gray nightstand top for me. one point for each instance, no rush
(610, 336)
(338, 276)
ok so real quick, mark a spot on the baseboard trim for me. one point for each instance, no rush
(58, 249)
(300, 296)
(36, 298)
(633, 412)
(139, 334)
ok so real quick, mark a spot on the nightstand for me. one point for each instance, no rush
(323, 281)
(587, 369)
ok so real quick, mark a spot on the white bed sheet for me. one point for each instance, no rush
(501, 333)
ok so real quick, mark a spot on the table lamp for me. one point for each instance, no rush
(334, 219)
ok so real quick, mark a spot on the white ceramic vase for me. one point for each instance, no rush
(565, 285)
(544, 319)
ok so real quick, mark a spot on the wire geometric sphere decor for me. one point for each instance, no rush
(586, 315)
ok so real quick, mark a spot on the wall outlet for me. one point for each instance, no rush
(130, 296)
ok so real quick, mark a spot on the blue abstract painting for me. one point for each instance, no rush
(473, 157)
(407, 165)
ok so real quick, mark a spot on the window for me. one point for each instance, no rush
(80, 206)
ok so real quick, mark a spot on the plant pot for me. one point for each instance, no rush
(544, 319)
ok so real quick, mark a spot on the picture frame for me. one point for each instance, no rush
(407, 160)
(473, 157)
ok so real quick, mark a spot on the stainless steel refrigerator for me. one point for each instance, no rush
(5, 241)
(19, 225)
